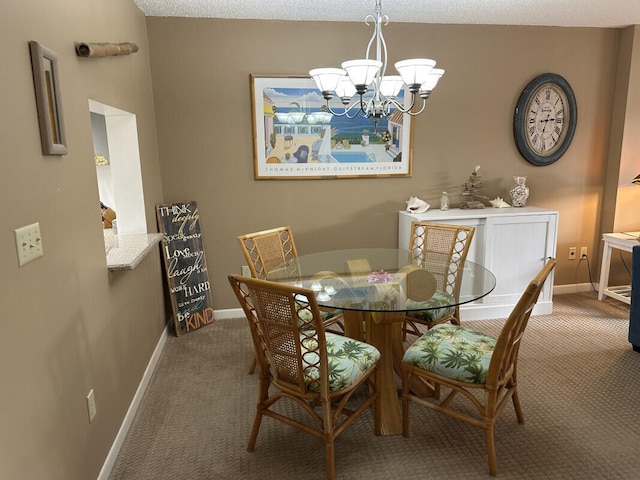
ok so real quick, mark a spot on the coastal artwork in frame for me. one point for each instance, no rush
(295, 136)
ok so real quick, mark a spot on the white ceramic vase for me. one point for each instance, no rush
(444, 201)
(519, 192)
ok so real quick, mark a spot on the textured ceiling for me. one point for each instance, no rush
(580, 13)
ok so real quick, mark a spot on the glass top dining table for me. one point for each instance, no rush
(381, 279)
(371, 287)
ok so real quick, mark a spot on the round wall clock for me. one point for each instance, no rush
(545, 119)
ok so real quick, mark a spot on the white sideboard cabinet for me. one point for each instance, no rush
(513, 243)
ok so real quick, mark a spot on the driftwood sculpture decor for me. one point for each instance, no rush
(84, 49)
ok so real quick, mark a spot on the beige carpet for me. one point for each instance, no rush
(578, 387)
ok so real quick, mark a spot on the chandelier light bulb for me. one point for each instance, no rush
(362, 72)
(390, 85)
(432, 81)
(327, 79)
(345, 89)
(415, 72)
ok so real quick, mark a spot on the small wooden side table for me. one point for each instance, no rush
(622, 241)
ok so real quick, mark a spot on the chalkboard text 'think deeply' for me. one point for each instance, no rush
(185, 265)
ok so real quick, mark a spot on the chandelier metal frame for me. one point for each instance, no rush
(357, 77)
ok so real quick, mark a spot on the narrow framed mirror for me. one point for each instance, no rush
(46, 81)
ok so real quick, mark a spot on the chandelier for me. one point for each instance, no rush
(363, 87)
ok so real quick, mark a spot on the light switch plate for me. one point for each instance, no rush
(28, 243)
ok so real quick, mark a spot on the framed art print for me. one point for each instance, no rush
(295, 135)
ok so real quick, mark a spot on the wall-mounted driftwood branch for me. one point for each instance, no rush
(84, 49)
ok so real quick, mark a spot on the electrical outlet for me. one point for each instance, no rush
(28, 243)
(245, 271)
(572, 253)
(583, 252)
(91, 405)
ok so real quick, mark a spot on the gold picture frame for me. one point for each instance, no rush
(44, 63)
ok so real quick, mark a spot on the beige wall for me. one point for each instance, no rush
(201, 71)
(626, 217)
(68, 325)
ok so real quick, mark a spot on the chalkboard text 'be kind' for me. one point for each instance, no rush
(185, 265)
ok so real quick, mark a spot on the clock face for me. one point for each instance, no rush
(545, 119)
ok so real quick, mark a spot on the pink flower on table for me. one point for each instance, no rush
(379, 276)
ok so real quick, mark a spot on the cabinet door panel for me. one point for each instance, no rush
(517, 248)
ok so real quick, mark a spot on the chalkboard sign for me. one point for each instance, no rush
(185, 265)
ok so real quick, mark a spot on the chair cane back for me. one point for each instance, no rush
(485, 373)
(317, 370)
(272, 255)
(442, 250)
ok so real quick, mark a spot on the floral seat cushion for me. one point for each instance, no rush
(349, 360)
(438, 306)
(454, 352)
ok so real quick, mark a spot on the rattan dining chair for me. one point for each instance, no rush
(304, 365)
(429, 244)
(272, 255)
(478, 366)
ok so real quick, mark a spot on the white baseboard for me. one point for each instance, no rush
(110, 461)
(574, 288)
(228, 313)
(472, 312)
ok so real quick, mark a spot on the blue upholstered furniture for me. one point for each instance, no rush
(634, 314)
